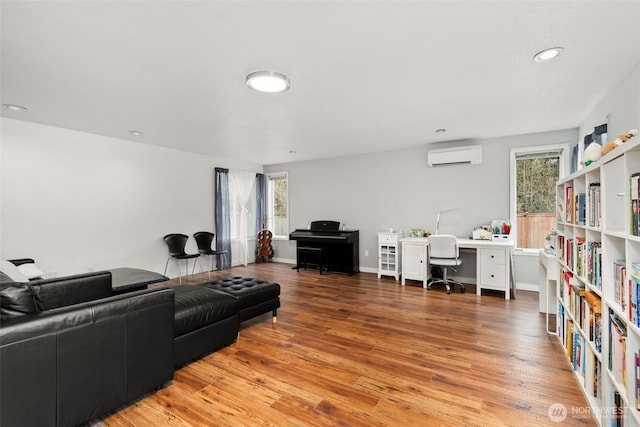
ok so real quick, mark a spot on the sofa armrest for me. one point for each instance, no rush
(21, 261)
(69, 365)
(69, 290)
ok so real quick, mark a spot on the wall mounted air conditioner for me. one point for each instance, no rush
(469, 154)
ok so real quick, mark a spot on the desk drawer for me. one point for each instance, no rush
(492, 256)
(493, 276)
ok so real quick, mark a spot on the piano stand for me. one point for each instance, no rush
(303, 251)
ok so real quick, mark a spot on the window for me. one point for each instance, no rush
(278, 204)
(534, 173)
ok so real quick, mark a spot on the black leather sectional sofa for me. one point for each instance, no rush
(71, 350)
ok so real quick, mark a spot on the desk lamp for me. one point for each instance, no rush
(438, 217)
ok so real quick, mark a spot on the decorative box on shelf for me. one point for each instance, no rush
(501, 230)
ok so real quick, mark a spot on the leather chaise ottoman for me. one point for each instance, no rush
(255, 296)
(205, 320)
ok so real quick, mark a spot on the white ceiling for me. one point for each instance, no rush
(365, 76)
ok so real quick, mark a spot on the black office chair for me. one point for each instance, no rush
(204, 240)
(444, 252)
(176, 243)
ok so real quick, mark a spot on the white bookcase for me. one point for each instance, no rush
(389, 254)
(597, 290)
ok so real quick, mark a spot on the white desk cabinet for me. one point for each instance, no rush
(493, 269)
(414, 260)
(389, 254)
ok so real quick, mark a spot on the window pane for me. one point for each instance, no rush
(536, 177)
(278, 204)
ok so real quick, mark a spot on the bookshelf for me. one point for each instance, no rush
(598, 287)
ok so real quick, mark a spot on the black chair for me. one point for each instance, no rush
(176, 243)
(204, 240)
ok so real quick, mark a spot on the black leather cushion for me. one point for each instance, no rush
(248, 290)
(197, 306)
(17, 299)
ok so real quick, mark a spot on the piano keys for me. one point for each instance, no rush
(341, 247)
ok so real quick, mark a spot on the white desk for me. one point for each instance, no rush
(493, 262)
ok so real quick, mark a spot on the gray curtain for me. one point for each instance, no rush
(222, 217)
(260, 202)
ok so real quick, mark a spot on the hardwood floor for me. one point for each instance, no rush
(363, 351)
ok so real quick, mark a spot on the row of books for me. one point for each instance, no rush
(575, 207)
(586, 309)
(576, 349)
(587, 262)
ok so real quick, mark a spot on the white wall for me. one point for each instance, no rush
(397, 189)
(619, 108)
(77, 202)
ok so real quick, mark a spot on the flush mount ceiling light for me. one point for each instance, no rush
(135, 132)
(441, 130)
(268, 81)
(547, 54)
(13, 107)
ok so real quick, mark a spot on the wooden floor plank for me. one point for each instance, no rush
(362, 351)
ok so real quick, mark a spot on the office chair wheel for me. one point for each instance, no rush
(448, 289)
(463, 290)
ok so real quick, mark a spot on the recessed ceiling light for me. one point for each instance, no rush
(268, 81)
(135, 132)
(441, 130)
(292, 151)
(13, 107)
(547, 54)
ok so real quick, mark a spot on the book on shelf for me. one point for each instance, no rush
(637, 380)
(581, 208)
(596, 380)
(595, 319)
(568, 203)
(595, 205)
(634, 294)
(560, 249)
(566, 284)
(634, 194)
(568, 253)
(580, 266)
(618, 410)
(619, 283)
(578, 354)
(618, 348)
(594, 258)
